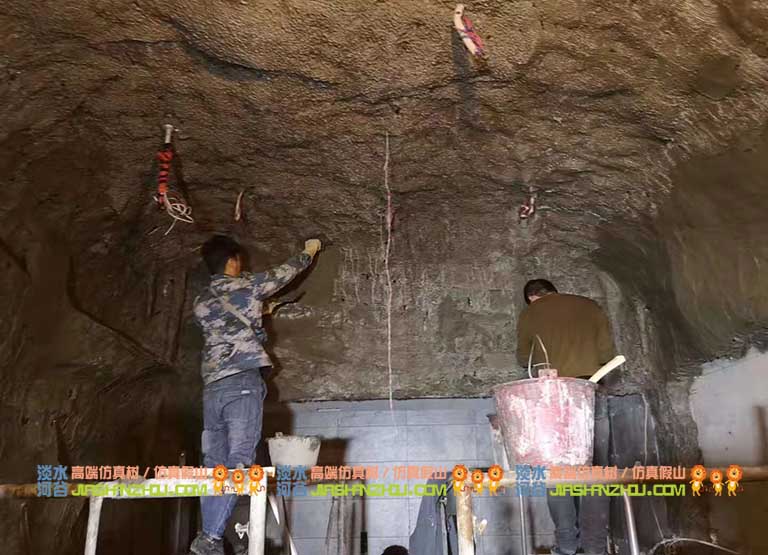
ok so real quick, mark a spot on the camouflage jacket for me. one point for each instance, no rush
(232, 347)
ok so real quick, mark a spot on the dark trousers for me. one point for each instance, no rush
(232, 418)
(583, 521)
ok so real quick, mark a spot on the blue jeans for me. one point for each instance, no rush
(232, 417)
(584, 520)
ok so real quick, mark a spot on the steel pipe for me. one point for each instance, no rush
(257, 519)
(523, 526)
(92, 533)
(634, 546)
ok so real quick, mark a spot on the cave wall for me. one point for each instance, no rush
(714, 227)
(590, 105)
(636, 125)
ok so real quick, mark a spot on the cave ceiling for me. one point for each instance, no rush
(588, 105)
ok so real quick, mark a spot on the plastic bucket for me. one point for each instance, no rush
(293, 450)
(547, 421)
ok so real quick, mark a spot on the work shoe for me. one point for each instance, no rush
(203, 544)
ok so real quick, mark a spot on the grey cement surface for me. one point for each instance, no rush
(729, 402)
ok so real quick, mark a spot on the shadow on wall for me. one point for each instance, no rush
(635, 258)
(698, 269)
(713, 229)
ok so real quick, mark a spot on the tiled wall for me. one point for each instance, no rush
(442, 432)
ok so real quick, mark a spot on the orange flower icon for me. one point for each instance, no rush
(477, 479)
(459, 476)
(220, 473)
(734, 476)
(716, 477)
(495, 473)
(256, 473)
(698, 475)
(460, 473)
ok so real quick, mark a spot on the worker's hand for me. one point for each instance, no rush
(312, 246)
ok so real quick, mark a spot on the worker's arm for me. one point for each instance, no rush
(605, 347)
(266, 284)
(524, 339)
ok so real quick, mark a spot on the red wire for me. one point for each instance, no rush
(165, 157)
(469, 30)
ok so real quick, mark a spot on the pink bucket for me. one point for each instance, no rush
(547, 421)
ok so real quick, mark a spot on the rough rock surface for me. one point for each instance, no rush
(639, 126)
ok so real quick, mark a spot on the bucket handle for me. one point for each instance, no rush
(530, 356)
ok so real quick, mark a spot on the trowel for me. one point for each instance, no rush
(273, 306)
(612, 364)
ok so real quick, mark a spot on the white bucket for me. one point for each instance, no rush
(293, 450)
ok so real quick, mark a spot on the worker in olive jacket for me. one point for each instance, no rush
(574, 335)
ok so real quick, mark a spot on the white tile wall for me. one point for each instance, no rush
(436, 432)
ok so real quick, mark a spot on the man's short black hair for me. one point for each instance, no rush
(538, 288)
(218, 250)
(395, 550)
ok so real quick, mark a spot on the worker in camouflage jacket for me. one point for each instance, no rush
(229, 312)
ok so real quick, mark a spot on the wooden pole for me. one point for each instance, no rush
(464, 519)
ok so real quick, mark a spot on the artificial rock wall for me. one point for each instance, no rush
(639, 128)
